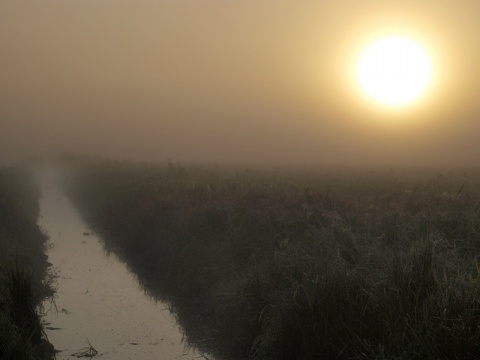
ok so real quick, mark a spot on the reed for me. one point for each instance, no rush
(264, 264)
(24, 278)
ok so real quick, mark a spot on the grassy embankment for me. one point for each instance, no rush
(23, 269)
(271, 265)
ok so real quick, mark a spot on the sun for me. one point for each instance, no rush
(394, 70)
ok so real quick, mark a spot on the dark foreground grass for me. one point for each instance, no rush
(288, 265)
(23, 269)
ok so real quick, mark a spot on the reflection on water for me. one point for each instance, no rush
(98, 301)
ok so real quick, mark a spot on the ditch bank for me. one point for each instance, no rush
(24, 275)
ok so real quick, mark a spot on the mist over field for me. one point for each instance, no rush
(230, 81)
(304, 179)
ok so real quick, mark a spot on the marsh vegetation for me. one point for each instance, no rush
(24, 276)
(329, 263)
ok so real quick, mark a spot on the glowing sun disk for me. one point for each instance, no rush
(394, 70)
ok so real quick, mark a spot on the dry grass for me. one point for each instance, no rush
(291, 265)
(23, 269)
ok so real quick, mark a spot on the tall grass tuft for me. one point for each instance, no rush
(21, 332)
(21, 301)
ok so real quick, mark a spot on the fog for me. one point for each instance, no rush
(231, 81)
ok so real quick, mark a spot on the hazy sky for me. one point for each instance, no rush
(232, 80)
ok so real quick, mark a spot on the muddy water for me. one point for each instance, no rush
(97, 298)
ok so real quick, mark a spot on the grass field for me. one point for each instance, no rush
(24, 280)
(329, 263)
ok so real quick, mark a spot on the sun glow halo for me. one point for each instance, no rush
(394, 70)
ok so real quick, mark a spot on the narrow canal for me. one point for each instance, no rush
(98, 301)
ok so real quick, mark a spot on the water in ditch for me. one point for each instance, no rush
(98, 301)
